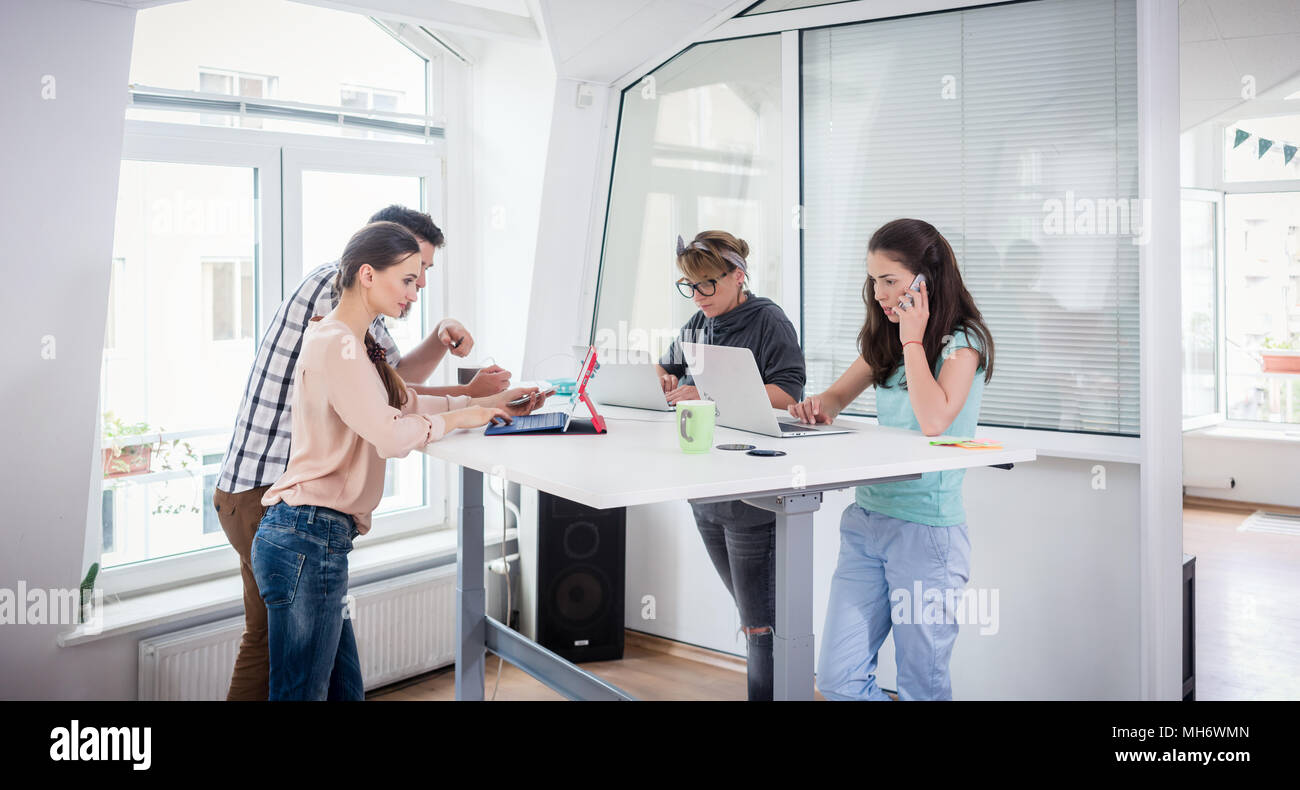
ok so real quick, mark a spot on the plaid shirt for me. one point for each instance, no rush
(259, 448)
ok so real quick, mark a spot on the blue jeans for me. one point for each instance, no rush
(882, 562)
(300, 562)
(741, 541)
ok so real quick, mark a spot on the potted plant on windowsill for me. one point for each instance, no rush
(1280, 356)
(125, 451)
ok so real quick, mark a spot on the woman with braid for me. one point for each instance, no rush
(350, 411)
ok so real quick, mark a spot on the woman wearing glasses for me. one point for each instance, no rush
(740, 538)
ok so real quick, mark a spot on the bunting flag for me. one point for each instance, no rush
(1288, 150)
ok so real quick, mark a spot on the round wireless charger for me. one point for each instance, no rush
(766, 453)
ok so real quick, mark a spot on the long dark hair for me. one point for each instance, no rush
(381, 245)
(921, 249)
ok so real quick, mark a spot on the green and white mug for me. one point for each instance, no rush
(695, 420)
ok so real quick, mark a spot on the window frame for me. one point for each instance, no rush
(1218, 416)
(1249, 188)
(791, 24)
(237, 286)
(274, 156)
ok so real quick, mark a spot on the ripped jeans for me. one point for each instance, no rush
(741, 541)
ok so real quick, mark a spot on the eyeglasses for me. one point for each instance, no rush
(705, 287)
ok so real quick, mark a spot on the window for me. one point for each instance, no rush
(164, 368)
(229, 306)
(1201, 292)
(1263, 307)
(211, 522)
(1013, 130)
(334, 205)
(362, 98)
(110, 325)
(107, 520)
(253, 86)
(357, 97)
(218, 224)
(286, 53)
(699, 149)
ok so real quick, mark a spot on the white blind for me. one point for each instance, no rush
(1013, 130)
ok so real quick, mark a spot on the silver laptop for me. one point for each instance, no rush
(633, 383)
(728, 376)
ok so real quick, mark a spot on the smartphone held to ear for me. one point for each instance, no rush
(915, 286)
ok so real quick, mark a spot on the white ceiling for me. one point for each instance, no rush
(602, 40)
(1221, 41)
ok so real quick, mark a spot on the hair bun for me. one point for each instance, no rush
(743, 248)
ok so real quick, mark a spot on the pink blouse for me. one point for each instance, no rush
(343, 427)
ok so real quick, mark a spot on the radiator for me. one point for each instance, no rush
(404, 626)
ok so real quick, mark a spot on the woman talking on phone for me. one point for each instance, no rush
(350, 411)
(929, 354)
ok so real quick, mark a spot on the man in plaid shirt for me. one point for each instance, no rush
(259, 448)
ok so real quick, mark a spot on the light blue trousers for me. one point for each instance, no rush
(875, 588)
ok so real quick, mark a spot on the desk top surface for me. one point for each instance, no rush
(638, 460)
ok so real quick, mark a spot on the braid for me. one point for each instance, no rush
(397, 393)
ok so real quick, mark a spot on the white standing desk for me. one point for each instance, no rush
(639, 462)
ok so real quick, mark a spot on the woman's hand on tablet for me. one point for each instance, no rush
(475, 416)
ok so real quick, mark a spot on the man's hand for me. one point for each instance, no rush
(488, 381)
(687, 392)
(454, 336)
(669, 382)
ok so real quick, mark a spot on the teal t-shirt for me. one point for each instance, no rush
(935, 497)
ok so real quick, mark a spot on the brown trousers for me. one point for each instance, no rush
(239, 515)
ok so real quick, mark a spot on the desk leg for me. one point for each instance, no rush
(471, 597)
(792, 644)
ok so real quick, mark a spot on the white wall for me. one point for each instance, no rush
(60, 158)
(1264, 467)
(569, 228)
(513, 87)
(1061, 567)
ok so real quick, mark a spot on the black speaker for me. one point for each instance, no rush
(572, 573)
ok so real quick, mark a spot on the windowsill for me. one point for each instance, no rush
(1057, 444)
(1282, 433)
(224, 596)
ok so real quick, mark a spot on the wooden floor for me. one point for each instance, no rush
(1247, 631)
(651, 669)
(1247, 606)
